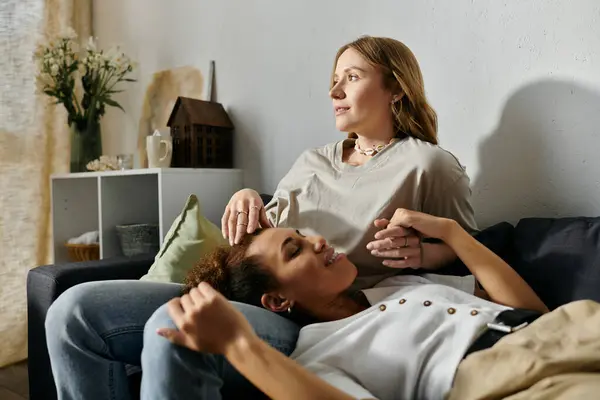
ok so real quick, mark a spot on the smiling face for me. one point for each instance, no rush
(361, 102)
(308, 271)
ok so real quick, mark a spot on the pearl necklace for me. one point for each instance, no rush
(371, 152)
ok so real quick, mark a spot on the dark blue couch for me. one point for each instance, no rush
(559, 258)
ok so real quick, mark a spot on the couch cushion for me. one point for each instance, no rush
(559, 258)
(497, 238)
(191, 236)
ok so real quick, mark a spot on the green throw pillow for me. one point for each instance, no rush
(191, 236)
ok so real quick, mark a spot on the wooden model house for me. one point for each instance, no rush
(202, 134)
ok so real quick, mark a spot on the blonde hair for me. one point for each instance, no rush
(412, 113)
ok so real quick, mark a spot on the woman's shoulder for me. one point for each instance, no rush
(429, 151)
(431, 157)
(324, 152)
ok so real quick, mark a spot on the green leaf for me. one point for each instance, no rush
(129, 80)
(113, 103)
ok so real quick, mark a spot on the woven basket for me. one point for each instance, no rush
(83, 252)
(138, 239)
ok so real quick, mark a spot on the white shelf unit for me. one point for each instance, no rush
(90, 201)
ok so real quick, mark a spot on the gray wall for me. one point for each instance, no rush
(516, 84)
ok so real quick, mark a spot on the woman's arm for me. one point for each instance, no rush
(207, 322)
(436, 255)
(276, 375)
(446, 193)
(502, 283)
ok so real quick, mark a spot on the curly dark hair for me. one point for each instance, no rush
(235, 275)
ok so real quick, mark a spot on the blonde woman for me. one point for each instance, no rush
(345, 191)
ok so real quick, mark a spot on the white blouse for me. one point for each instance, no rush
(407, 345)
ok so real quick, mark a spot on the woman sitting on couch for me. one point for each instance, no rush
(404, 338)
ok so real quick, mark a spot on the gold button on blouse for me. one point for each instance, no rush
(426, 303)
(451, 310)
(402, 301)
(382, 307)
(474, 312)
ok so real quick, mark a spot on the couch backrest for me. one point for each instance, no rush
(559, 257)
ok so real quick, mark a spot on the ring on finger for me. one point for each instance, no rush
(241, 223)
(405, 241)
(242, 212)
(256, 207)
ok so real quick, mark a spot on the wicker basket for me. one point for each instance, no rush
(138, 239)
(83, 252)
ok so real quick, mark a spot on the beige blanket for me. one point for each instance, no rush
(556, 357)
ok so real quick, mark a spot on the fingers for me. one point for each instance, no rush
(241, 223)
(205, 289)
(410, 262)
(196, 296)
(404, 217)
(187, 304)
(394, 231)
(257, 217)
(243, 215)
(238, 221)
(381, 223)
(231, 225)
(404, 252)
(176, 312)
(253, 215)
(172, 335)
(225, 222)
(394, 242)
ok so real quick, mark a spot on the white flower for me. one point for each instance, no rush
(54, 70)
(68, 33)
(91, 44)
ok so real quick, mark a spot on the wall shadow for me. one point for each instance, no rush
(543, 158)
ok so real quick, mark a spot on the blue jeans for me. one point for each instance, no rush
(95, 330)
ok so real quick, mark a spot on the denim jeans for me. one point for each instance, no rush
(94, 330)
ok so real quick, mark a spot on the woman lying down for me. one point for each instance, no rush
(409, 337)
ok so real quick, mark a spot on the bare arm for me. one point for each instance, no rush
(436, 255)
(207, 322)
(276, 375)
(502, 283)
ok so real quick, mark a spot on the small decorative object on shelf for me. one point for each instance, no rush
(83, 252)
(59, 65)
(104, 163)
(138, 239)
(85, 247)
(124, 161)
(202, 134)
(159, 150)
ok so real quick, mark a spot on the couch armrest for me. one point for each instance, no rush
(44, 285)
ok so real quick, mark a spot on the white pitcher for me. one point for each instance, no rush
(160, 151)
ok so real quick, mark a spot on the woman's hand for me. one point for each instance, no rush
(244, 213)
(399, 241)
(206, 321)
(425, 224)
(400, 247)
